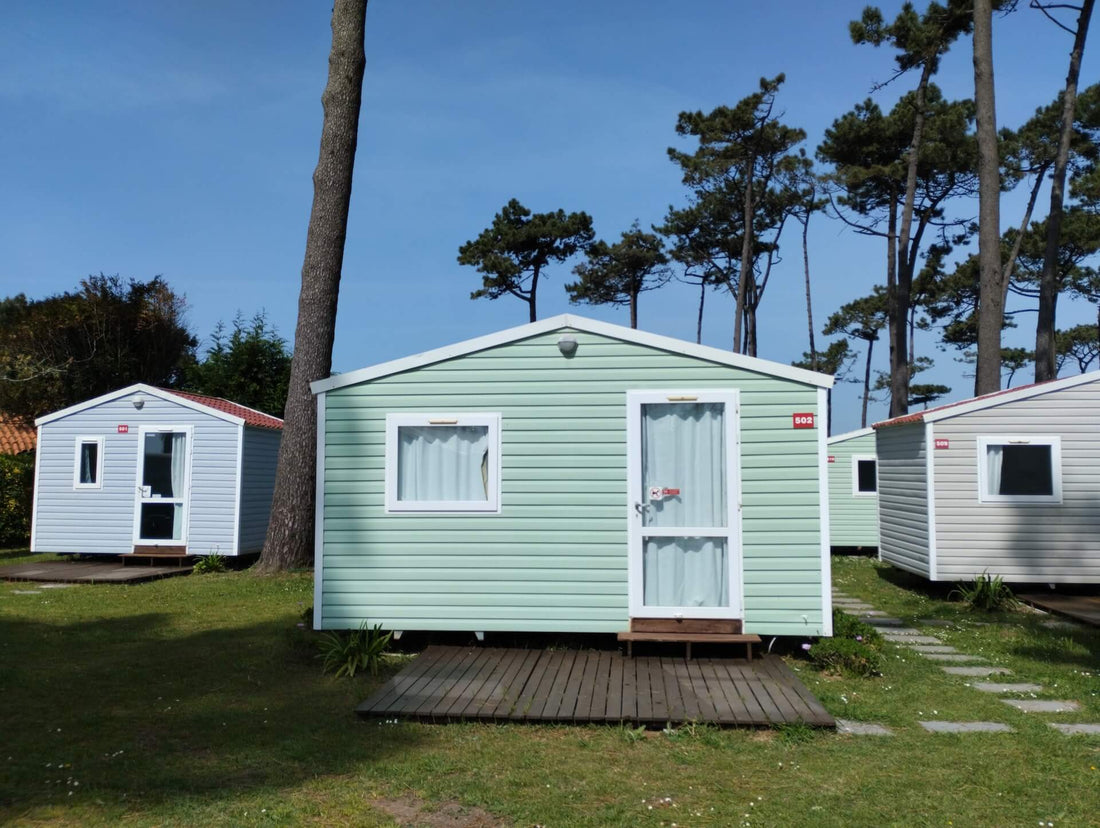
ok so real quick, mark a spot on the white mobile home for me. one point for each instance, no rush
(1007, 483)
(853, 490)
(146, 471)
(573, 476)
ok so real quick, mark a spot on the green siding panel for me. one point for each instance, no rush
(555, 559)
(853, 520)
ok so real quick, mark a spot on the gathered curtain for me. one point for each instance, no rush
(442, 463)
(178, 450)
(995, 462)
(89, 460)
(685, 572)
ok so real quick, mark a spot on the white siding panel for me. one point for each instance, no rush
(258, 461)
(1048, 543)
(903, 497)
(101, 520)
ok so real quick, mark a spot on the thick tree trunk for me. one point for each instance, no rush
(899, 369)
(867, 382)
(1045, 363)
(809, 304)
(892, 282)
(532, 313)
(290, 532)
(634, 310)
(746, 258)
(987, 377)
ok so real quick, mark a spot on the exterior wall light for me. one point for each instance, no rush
(138, 402)
(567, 345)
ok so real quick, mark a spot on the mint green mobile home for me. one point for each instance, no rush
(853, 490)
(572, 476)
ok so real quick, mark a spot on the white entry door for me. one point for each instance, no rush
(163, 486)
(684, 507)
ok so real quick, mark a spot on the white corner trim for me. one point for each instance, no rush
(585, 325)
(319, 517)
(34, 491)
(823, 499)
(237, 496)
(159, 393)
(850, 435)
(930, 493)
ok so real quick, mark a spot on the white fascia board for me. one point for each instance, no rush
(159, 393)
(585, 325)
(319, 519)
(994, 400)
(850, 435)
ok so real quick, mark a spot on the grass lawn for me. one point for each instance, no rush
(192, 700)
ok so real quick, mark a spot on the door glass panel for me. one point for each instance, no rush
(684, 465)
(163, 470)
(161, 521)
(685, 572)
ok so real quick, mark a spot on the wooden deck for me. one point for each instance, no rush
(90, 572)
(497, 684)
(1084, 608)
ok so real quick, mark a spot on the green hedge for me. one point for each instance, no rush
(16, 494)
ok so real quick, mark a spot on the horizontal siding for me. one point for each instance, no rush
(258, 461)
(101, 520)
(1046, 543)
(903, 497)
(853, 521)
(555, 559)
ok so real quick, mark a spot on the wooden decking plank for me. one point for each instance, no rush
(392, 689)
(708, 709)
(643, 698)
(486, 692)
(815, 711)
(548, 666)
(526, 696)
(413, 695)
(574, 688)
(613, 700)
(742, 713)
(511, 686)
(457, 697)
(434, 689)
(557, 700)
(725, 713)
(629, 700)
(591, 680)
(657, 691)
(682, 704)
(740, 685)
(764, 699)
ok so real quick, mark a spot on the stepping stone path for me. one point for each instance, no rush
(1000, 687)
(895, 631)
(966, 727)
(1077, 729)
(25, 592)
(1043, 706)
(862, 728)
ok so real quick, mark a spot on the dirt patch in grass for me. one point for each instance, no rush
(411, 812)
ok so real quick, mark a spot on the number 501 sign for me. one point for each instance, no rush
(803, 420)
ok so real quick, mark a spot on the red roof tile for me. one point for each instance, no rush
(250, 416)
(919, 416)
(16, 437)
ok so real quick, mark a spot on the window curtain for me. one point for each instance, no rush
(442, 463)
(685, 572)
(994, 463)
(88, 461)
(684, 447)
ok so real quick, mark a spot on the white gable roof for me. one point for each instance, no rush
(578, 323)
(152, 391)
(850, 435)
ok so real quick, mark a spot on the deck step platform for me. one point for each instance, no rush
(689, 638)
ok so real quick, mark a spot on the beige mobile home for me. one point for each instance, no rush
(1007, 483)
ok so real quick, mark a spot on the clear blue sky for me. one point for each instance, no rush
(179, 139)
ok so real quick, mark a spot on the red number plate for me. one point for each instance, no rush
(124, 429)
(943, 443)
(803, 420)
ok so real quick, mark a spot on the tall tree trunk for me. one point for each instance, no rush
(899, 371)
(634, 309)
(1014, 254)
(1045, 367)
(892, 282)
(289, 540)
(746, 257)
(867, 382)
(699, 321)
(809, 304)
(533, 294)
(987, 377)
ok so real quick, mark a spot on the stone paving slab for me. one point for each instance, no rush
(1059, 625)
(862, 728)
(869, 614)
(932, 648)
(25, 592)
(966, 727)
(935, 622)
(1043, 705)
(951, 657)
(975, 671)
(1072, 729)
(852, 609)
(887, 621)
(910, 639)
(1002, 687)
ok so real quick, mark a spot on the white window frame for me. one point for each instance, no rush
(1055, 444)
(856, 460)
(80, 441)
(487, 419)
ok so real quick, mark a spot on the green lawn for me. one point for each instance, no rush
(192, 700)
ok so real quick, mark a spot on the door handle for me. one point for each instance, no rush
(641, 508)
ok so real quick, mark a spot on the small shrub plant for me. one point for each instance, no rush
(987, 594)
(209, 563)
(852, 650)
(347, 653)
(16, 493)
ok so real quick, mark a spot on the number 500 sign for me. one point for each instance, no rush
(802, 420)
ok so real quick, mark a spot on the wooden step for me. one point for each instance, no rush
(689, 638)
(731, 626)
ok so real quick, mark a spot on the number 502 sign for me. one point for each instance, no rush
(803, 420)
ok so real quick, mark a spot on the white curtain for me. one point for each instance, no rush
(685, 572)
(178, 450)
(442, 463)
(684, 448)
(89, 462)
(995, 461)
